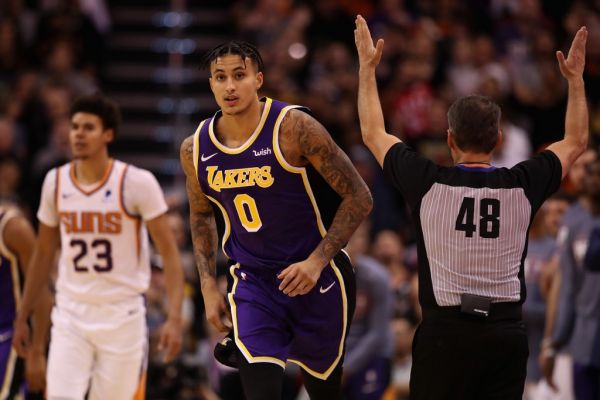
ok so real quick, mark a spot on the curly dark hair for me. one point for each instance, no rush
(240, 48)
(97, 104)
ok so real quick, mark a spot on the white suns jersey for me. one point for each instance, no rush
(104, 243)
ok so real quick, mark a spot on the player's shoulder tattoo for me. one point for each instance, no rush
(186, 150)
(186, 154)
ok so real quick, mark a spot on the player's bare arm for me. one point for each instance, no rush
(304, 140)
(576, 118)
(36, 283)
(171, 332)
(370, 114)
(204, 238)
(20, 239)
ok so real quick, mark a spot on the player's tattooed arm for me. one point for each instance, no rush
(202, 219)
(204, 239)
(315, 146)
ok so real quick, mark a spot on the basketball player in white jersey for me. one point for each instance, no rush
(17, 240)
(98, 209)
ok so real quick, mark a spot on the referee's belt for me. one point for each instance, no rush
(498, 311)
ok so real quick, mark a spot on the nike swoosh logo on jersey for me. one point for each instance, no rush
(204, 159)
(6, 336)
(67, 195)
(321, 290)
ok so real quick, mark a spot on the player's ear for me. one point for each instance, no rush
(500, 140)
(450, 138)
(110, 135)
(259, 80)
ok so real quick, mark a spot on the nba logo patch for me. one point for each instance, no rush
(107, 196)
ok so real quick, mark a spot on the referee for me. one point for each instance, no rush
(471, 221)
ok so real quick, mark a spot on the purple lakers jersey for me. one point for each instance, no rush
(10, 276)
(273, 213)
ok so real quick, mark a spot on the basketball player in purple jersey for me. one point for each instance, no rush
(17, 241)
(287, 200)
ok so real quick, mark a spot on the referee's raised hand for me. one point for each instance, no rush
(368, 55)
(572, 67)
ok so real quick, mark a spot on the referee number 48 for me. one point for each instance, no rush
(489, 218)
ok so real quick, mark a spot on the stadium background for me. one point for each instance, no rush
(145, 55)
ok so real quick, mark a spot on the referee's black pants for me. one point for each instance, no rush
(456, 356)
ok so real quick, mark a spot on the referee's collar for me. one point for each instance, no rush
(476, 169)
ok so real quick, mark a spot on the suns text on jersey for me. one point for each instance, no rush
(91, 222)
(236, 178)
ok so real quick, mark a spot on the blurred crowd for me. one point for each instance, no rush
(50, 54)
(52, 51)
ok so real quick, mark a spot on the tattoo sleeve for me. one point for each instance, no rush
(318, 148)
(202, 219)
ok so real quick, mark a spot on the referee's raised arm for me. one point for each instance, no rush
(370, 114)
(576, 118)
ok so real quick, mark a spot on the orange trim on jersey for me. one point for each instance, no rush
(140, 392)
(121, 190)
(57, 188)
(138, 234)
(100, 184)
(136, 218)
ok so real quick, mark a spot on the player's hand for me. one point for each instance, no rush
(215, 308)
(170, 339)
(574, 65)
(35, 371)
(546, 361)
(21, 337)
(301, 277)
(368, 55)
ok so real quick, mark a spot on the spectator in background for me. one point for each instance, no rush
(10, 178)
(369, 343)
(572, 326)
(561, 361)
(65, 19)
(403, 331)
(11, 50)
(411, 95)
(11, 158)
(539, 89)
(331, 87)
(578, 316)
(46, 132)
(385, 214)
(463, 75)
(514, 147)
(541, 248)
(433, 142)
(26, 109)
(58, 150)
(388, 249)
(23, 16)
(574, 182)
(60, 69)
(8, 138)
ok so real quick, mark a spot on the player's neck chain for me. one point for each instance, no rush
(474, 162)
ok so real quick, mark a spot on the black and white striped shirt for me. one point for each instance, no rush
(471, 223)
